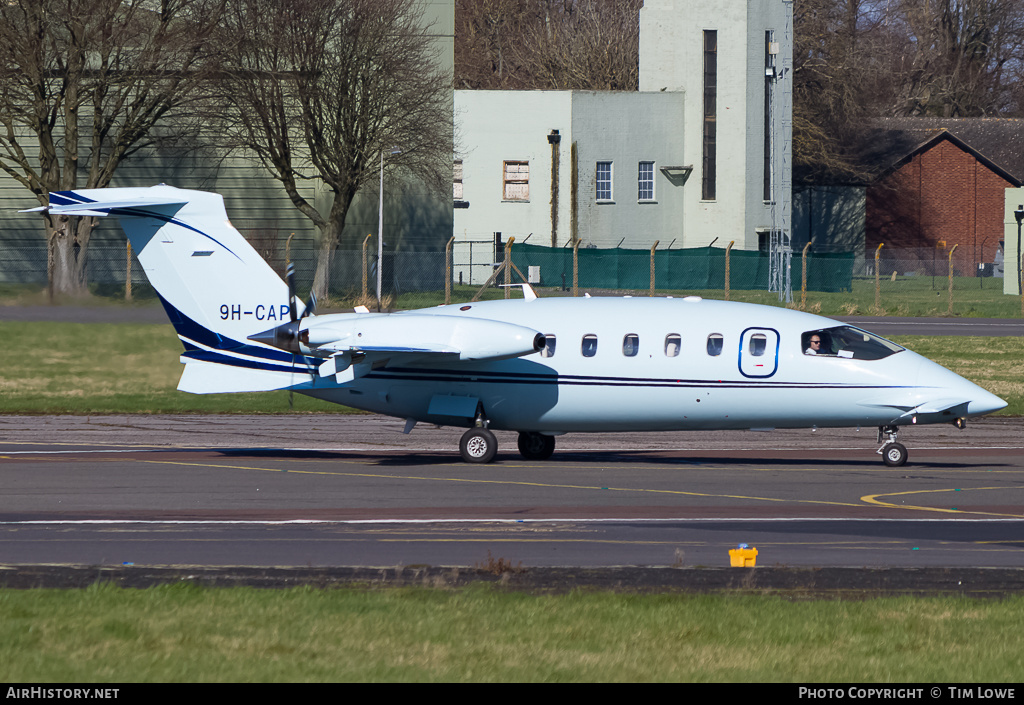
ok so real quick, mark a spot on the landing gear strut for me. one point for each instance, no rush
(894, 454)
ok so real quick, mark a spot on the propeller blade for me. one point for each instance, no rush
(290, 277)
(310, 305)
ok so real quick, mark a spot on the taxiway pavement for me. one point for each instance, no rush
(337, 490)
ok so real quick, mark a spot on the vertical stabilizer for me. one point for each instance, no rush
(216, 288)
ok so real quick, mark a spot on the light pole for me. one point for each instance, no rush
(1019, 215)
(380, 225)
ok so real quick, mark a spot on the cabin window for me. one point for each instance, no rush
(631, 345)
(549, 346)
(715, 344)
(589, 345)
(758, 343)
(847, 342)
(672, 344)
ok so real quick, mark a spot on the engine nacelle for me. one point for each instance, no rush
(468, 338)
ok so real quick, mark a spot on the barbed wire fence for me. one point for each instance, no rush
(887, 281)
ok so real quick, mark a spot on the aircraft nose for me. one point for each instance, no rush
(979, 401)
(984, 402)
(950, 388)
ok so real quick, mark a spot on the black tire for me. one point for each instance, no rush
(894, 454)
(536, 446)
(478, 445)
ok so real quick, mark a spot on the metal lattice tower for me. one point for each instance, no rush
(780, 122)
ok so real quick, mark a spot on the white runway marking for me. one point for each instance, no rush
(482, 520)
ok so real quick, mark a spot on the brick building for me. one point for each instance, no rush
(941, 180)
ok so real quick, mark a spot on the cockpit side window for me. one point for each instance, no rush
(847, 342)
(715, 344)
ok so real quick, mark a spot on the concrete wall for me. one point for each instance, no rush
(672, 59)
(1014, 197)
(625, 129)
(622, 128)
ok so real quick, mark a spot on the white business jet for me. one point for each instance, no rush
(542, 367)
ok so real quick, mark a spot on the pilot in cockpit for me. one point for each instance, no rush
(817, 344)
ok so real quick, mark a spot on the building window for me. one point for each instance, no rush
(457, 180)
(604, 181)
(710, 111)
(517, 181)
(645, 182)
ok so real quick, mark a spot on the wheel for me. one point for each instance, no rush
(895, 454)
(536, 446)
(478, 445)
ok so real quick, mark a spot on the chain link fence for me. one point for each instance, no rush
(887, 281)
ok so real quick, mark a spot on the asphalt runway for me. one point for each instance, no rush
(335, 490)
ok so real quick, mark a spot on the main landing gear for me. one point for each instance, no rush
(894, 454)
(478, 444)
(536, 446)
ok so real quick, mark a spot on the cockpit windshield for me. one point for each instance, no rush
(848, 342)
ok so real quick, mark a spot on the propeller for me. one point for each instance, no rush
(287, 336)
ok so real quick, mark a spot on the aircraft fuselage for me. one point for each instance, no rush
(651, 364)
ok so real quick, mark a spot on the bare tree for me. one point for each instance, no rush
(954, 58)
(320, 89)
(487, 35)
(547, 44)
(833, 70)
(83, 84)
(583, 45)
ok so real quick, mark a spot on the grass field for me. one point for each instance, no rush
(187, 633)
(105, 368)
(978, 297)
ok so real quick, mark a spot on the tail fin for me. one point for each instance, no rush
(216, 288)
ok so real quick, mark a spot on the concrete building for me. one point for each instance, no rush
(697, 156)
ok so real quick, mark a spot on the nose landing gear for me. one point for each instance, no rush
(893, 454)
